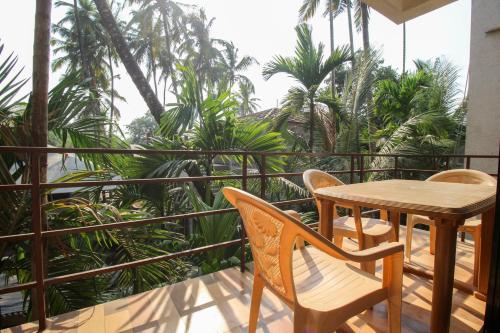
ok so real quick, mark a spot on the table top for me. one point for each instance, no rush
(414, 196)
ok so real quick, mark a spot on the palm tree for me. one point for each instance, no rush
(173, 18)
(127, 59)
(146, 41)
(333, 9)
(356, 98)
(82, 45)
(201, 51)
(307, 67)
(233, 66)
(248, 104)
(361, 20)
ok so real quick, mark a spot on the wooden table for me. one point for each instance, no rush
(449, 204)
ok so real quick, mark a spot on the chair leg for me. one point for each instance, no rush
(305, 322)
(338, 239)
(369, 266)
(432, 245)
(477, 253)
(393, 280)
(409, 237)
(258, 286)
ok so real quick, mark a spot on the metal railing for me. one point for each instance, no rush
(38, 236)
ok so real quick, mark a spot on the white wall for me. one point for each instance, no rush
(483, 127)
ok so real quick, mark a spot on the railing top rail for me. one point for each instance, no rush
(57, 150)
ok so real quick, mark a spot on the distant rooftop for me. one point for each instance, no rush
(272, 113)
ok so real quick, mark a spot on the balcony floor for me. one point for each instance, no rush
(220, 302)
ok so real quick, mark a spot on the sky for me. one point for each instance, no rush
(265, 28)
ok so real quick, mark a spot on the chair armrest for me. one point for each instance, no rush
(374, 253)
(377, 252)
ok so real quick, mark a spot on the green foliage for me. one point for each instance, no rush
(141, 130)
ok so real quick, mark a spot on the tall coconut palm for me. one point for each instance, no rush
(362, 20)
(200, 49)
(81, 45)
(308, 67)
(333, 9)
(128, 60)
(146, 41)
(248, 104)
(233, 66)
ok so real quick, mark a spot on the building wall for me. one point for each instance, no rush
(483, 127)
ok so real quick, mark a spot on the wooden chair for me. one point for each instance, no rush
(371, 231)
(317, 282)
(472, 226)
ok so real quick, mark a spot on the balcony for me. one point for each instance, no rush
(219, 302)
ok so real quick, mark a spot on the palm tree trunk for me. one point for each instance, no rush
(153, 64)
(334, 92)
(332, 44)
(165, 90)
(128, 61)
(112, 104)
(404, 49)
(369, 97)
(311, 124)
(39, 123)
(351, 35)
(364, 26)
(168, 44)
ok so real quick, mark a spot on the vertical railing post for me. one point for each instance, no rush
(447, 163)
(467, 163)
(396, 166)
(361, 168)
(352, 169)
(244, 172)
(38, 248)
(263, 177)
(244, 185)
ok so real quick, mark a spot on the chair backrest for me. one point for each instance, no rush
(464, 176)
(271, 235)
(314, 179)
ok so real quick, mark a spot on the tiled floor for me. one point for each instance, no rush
(220, 302)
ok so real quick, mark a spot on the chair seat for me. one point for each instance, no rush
(371, 227)
(323, 283)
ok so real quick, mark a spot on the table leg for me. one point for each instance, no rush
(432, 239)
(487, 222)
(326, 219)
(395, 217)
(444, 271)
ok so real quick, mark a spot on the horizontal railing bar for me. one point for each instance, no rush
(419, 170)
(145, 181)
(17, 287)
(57, 150)
(132, 264)
(138, 223)
(15, 187)
(17, 237)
